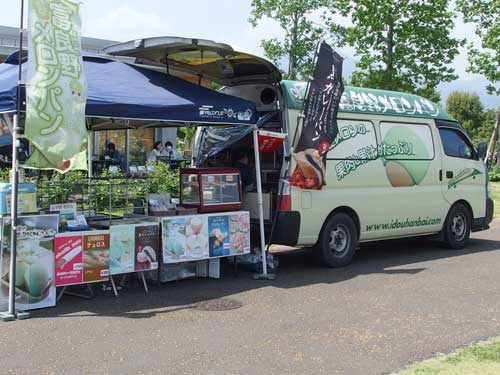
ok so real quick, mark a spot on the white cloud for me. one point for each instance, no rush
(124, 23)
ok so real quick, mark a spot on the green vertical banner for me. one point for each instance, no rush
(56, 90)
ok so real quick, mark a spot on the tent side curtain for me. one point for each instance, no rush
(215, 140)
(121, 90)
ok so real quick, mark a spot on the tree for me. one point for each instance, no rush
(488, 124)
(467, 109)
(301, 34)
(402, 45)
(485, 61)
(485, 14)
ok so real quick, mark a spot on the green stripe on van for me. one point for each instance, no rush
(379, 102)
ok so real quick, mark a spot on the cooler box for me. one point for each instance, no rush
(27, 198)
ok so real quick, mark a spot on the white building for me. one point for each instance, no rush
(9, 42)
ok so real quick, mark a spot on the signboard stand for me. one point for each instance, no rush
(122, 282)
(144, 282)
(113, 285)
(80, 295)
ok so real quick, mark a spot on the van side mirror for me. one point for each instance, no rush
(481, 150)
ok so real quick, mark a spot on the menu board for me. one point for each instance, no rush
(197, 237)
(81, 257)
(35, 287)
(134, 248)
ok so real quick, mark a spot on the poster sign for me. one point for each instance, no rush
(35, 287)
(218, 229)
(56, 91)
(320, 121)
(134, 248)
(81, 257)
(96, 257)
(147, 247)
(69, 259)
(239, 229)
(122, 249)
(197, 237)
(67, 211)
(185, 238)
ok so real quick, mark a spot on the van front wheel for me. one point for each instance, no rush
(337, 242)
(457, 227)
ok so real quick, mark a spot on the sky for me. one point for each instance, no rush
(224, 21)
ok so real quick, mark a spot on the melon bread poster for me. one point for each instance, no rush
(35, 285)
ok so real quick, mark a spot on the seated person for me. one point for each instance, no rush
(113, 156)
(170, 153)
(157, 151)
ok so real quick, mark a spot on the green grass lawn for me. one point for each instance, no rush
(479, 359)
(495, 189)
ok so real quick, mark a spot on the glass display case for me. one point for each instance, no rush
(211, 189)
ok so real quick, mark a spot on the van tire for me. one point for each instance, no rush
(457, 227)
(338, 241)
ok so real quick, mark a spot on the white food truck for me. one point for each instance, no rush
(399, 167)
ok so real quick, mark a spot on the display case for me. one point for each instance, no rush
(211, 189)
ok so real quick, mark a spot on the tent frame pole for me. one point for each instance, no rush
(264, 275)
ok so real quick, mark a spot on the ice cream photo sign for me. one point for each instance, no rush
(198, 237)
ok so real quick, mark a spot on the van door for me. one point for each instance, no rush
(463, 174)
(411, 201)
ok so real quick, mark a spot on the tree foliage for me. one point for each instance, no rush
(401, 45)
(301, 34)
(467, 109)
(485, 14)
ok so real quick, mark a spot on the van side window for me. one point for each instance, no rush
(356, 140)
(455, 144)
(406, 141)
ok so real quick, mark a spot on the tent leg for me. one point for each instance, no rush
(264, 275)
(90, 147)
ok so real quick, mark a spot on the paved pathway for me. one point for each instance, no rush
(398, 303)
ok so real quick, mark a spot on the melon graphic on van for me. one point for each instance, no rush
(405, 156)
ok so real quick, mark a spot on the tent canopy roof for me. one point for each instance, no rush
(125, 91)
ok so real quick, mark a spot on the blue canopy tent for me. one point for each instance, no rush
(120, 90)
(124, 96)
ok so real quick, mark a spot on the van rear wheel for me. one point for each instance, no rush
(337, 242)
(457, 227)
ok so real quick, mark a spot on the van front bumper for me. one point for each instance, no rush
(483, 223)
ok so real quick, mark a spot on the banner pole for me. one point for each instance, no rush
(14, 184)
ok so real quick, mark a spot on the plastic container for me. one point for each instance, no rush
(27, 198)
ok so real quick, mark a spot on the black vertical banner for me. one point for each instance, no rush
(320, 120)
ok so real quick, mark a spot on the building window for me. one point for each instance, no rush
(134, 145)
(141, 143)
